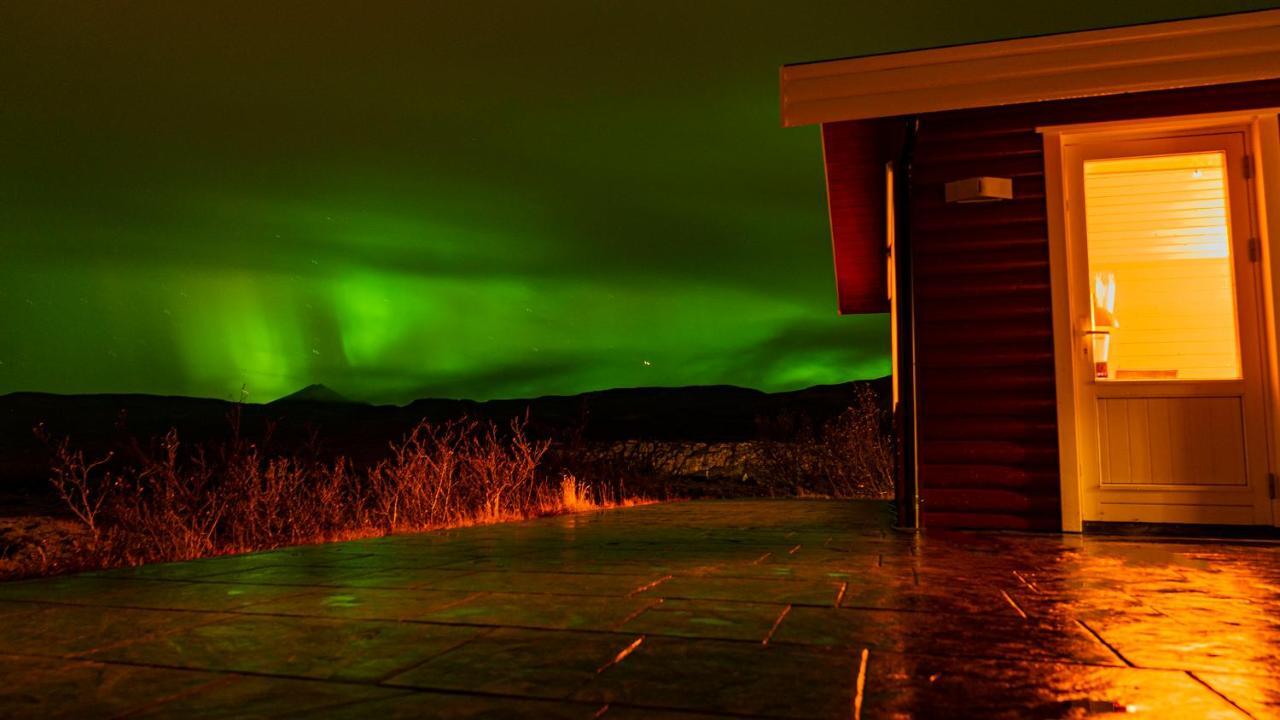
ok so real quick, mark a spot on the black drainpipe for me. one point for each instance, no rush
(907, 492)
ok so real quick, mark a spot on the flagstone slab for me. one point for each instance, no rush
(798, 592)
(1221, 643)
(300, 575)
(546, 583)
(459, 706)
(879, 590)
(923, 686)
(530, 663)
(784, 570)
(300, 647)
(59, 630)
(556, 612)
(589, 565)
(709, 619)
(662, 611)
(52, 688)
(409, 578)
(622, 712)
(246, 697)
(9, 608)
(361, 603)
(743, 678)
(936, 634)
(1258, 695)
(78, 589)
(145, 593)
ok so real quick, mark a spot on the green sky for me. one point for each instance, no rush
(467, 199)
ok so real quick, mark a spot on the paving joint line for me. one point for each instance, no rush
(637, 613)
(622, 654)
(860, 684)
(1102, 640)
(781, 616)
(649, 585)
(1219, 693)
(156, 703)
(387, 678)
(1024, 581)
(1015, 606)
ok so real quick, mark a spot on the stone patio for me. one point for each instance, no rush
(780, 609)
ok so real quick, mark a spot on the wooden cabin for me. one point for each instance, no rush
(1078, 237)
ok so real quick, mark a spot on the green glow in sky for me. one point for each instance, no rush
(443, 198)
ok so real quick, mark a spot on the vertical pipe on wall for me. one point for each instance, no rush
(907, 492)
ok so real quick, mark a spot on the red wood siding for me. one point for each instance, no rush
(855, 154)
(988, 449)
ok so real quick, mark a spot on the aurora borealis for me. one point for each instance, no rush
(460, 199)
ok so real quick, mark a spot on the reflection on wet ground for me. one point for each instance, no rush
(780, 609)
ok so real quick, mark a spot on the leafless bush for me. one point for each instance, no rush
(172, 502)
(82, 484)
(459, 471)
(850, 456)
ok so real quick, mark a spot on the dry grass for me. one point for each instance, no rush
(174, 502)
(575, 497)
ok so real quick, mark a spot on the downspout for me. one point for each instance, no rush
(907, 493)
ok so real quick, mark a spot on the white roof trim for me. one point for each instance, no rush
(1183, 53)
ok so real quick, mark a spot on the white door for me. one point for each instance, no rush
(1165, 302)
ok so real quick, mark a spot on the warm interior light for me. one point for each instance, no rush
(1160, 262)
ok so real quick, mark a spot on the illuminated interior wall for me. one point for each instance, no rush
(1160, 266)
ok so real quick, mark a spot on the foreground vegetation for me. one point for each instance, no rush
(170, 501)
(167, 500)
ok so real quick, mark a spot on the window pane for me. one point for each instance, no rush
(1160, 268)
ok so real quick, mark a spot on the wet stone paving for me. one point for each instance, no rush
(771, 609)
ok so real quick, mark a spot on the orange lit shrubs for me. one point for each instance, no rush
(176, 502)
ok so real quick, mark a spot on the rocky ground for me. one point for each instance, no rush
(37, 534)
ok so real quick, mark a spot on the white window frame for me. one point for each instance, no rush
(1263, 132)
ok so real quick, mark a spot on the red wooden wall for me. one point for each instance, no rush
(988, 449)
(986, 425)
(855, 154)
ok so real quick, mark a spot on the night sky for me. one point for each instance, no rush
(461, 199)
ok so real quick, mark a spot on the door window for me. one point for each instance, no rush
(1160, 268)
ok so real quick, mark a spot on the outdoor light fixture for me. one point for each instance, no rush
(979, 189)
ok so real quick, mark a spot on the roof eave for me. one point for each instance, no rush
(1183, 53)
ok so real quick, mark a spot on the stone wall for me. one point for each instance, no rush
(720, 460)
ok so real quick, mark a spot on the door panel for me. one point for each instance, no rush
(1164, 295)
(1172, 441)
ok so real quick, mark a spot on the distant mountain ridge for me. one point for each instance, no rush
(714, 413)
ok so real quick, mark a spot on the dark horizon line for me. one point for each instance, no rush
(348, 401)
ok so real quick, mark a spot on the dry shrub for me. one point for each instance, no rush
(850, 456)
(456, 472)
(172, 502)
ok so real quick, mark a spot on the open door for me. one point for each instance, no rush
(1164, 298)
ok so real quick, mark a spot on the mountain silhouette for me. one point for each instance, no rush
(316, 393)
